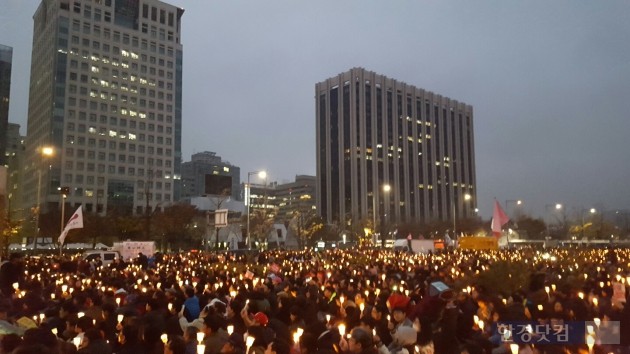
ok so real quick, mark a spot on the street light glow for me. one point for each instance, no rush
(593, 211)
(467, 196)
(386, 188)
(47, 151)
(262, 174)
(558, 206)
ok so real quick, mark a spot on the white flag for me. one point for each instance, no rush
(75, 222)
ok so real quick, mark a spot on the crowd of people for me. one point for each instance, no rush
(289, 302)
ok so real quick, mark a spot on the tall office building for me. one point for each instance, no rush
(14, 155)
(374, 131)
(106, 96)
(6, 55)
(207, 163)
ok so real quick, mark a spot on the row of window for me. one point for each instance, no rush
(105, 34)
(123, 98)
(91, 180)
(111, 169)
(113, 121)
(103, 119)
(97, 15)
(104, 107)
(102, 131)
(124, 158)
(89, 193)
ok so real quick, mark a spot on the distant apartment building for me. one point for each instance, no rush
(105, 103)
(195, 180)
(6, 58)
(373, 132)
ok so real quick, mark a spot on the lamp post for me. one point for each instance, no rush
(45, 151)
(467, 197)
(262, 175)
(386, 189)
(592, 211)
(556, 207)
(516, 202)
(375, 198)
(63, 193)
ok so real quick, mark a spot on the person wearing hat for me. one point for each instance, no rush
(403, 341)
(215, 336)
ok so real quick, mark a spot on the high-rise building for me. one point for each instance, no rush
(106, 96)
(203, 174)
(6, 57)
(14, 156)
(389, 149)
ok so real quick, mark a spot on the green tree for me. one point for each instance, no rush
(305, 224)
(530, 228)
(175, 225)
(260, 225)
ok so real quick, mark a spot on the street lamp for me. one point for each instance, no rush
(386, 189)
(45, 151)
(592, 211)
(467, 197)
(516, 202)
(556, 207)
(261, 175)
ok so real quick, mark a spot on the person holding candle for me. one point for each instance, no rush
(234, 345)
(94, 343)
(177, 345)
(129, 339)
(190, 338)
(215, 335)
(358, 342)
(11, 272)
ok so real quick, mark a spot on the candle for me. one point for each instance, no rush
(201, 348)
(120, 318)
(514, 348)
(342, 329)
(80, 314)
(164, 338)
(200, 337)
(76, 341)
(230, 329)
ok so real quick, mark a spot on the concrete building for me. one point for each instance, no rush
(14, 155)
(6, 58)
(374, 131)
(106, 96)
(208, 163)
(295, 196)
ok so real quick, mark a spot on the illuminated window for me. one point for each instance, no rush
(112, 133)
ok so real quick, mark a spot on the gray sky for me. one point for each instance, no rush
(549, 82)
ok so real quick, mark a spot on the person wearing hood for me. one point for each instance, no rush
(403, 341)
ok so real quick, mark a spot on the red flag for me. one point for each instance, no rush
(498, 219)
(75, 222)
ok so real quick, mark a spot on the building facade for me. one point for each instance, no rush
(106, 96)
(208, 163)
(373, 132)
(14, 155)
(297, 196)
(6, 58)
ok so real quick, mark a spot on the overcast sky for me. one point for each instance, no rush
(549, 82)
